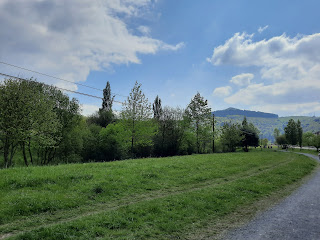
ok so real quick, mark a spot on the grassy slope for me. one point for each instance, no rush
(142, 199)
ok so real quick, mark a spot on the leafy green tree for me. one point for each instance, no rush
(300, 133)
(281, 140)
(316, 141)
(26, 115)
(276, 133)
(136, 115)
(170, 134)
(307, 138)
(199, 114)
(250, 135)
(101, 118)
(264, 142)
(230, 136)
(291, 132)
(68, 115)
(113, 142)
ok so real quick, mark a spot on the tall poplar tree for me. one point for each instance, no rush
(107, 100)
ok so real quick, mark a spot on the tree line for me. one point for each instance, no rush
(41, 125)
(294, 135)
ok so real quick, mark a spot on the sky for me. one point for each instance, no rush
(253, 55)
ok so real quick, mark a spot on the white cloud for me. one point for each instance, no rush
(242, 79)
(88, 109)
(144, 30)
(70, 38)
(261, 29)
(222, 91)
(289, 68)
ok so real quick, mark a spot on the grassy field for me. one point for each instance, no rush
(165, 198)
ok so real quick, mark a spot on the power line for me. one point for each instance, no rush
(47, 75)
(64, 89)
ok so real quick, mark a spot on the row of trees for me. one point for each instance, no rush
(39, 124)
(36, 119)
(294, 135)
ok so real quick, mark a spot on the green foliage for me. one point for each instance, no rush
(281, 140)
(230, 136)
(316, 141)
(101, 118)
(113, 142)
(307, 138)
(157, 108)
(300, 133)
(276, 133)
(266, 126)
(170, 139)
(107, 100)
(136, 114)
(264, 142)
(27, 115)
(199, 114)
(291, 132)
(249, 134)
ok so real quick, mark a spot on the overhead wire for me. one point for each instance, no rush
(47, 75)
(64, 89)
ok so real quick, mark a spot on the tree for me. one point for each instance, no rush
(168, 140)
(231, 136)
(307, 138)
(276, 133)
(291, 132)
(112, 142)
(26, 116)
(300, 133)
(157, 108)
(199, 114)
(281, 140)
(264, 142)
(316, 141)
(101, 118)
(136, 114)
(104, 116)
(107, 100)
(250, 134)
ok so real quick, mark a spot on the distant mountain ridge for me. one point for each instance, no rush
(247, 113)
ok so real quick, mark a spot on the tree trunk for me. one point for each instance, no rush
(29, 150)
(198, 144)
(213, 133)
(24, 153)
(132, 139)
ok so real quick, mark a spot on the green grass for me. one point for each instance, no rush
(313, 152)
(165, 198)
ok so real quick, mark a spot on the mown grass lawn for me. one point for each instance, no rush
(164, 198)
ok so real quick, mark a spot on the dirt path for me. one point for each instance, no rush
(296, 217)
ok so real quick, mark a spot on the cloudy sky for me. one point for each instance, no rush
(255, 55)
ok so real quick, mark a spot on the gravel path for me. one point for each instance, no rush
(297, 217)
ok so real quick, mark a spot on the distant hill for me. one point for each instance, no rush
(247, 113)
(266, 125)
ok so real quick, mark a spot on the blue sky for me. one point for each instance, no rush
(256, 55)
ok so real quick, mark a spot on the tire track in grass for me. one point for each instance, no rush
(107, 207)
